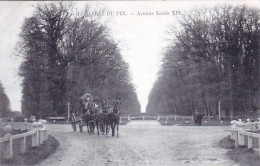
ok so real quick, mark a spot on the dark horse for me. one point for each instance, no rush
(114, 117)
(104, 117)
(198, 118)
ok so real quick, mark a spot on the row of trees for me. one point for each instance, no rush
(213, 61)
(4, 103)
(68, 53)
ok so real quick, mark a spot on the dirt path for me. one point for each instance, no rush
(141, 143)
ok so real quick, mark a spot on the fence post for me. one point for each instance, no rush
(219, 109)
(175, 117)
(259, 145)
(34, 136)
(8, 145)
(250, 142)
(241, 139)
(37, 137)
(129, 117)
(23, 145)
(40, 137)
(158, 117)
(232, 135)
(34, 140)
(236, 138)
(143, 117)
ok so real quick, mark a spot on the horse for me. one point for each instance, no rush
(103, 122)
(105, 116)
(198, 118)
(114, 117)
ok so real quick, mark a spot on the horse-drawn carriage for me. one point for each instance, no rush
(94, 116)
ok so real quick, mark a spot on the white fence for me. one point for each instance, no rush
(240, 131)
(37, 131)
(239, 137)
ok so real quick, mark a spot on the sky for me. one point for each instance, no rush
(142, 39)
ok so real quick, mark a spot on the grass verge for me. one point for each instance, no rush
(34, 155)
(227, 143)
(245, 157)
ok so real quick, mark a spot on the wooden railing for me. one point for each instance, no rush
(37, 131)
(239, 136)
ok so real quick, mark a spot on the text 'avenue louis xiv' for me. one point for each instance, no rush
(136, 13)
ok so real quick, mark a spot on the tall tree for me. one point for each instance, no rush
(215, 59)
(4, 102)
(68, 53)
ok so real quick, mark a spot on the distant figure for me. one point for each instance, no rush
(197, 118)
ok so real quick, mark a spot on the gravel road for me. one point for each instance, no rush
(141, 143)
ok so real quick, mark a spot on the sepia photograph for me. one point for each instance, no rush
(130, 83)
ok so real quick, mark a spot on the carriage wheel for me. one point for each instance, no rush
(73, 122)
